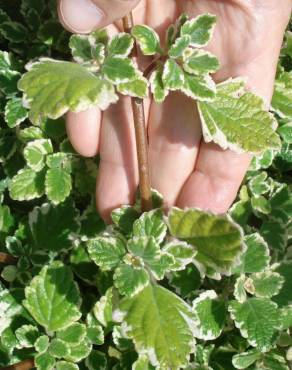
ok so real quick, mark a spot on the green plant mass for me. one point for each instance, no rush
(186, 289)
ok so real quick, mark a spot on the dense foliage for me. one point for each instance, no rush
(190, 290)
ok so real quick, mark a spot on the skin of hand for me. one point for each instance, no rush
(187, 171)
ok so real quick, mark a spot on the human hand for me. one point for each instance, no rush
(187, 171)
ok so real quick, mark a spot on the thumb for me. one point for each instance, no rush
(84, 16)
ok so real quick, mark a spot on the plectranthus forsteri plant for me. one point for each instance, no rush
(186, 290)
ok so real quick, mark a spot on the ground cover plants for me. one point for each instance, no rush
(151, 291)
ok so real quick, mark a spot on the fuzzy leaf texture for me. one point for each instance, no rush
(51, 88)
(53, 298)
(237, 120)
(217, 239)
(160, 324)
(258, 321)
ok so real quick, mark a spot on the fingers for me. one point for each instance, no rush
(83, 131)
(215, 182)
(174, 138)
(83, 16)
(118, 171)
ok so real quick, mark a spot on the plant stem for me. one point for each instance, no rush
(7, 259)
(24, 365)
(141, 136)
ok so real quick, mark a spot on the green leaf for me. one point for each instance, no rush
(26, 336)
(239, 289)
(58, 348)
(257, 256)
(35, 152)
(245, 359)
(137, 88)
(6, 219)
(15, 113)
(73, 334)
(216, 238)
(282, 98)
(9, 273)
(273, 361)
(177, 49)
(200, 88)
(64, 365)
(98, 55)
(27, 184)
(121, 45)
(146, 251)
(5, 59)
(14, 31)
(44, 361)
(147, 39)
(158, 89)
(182, 252)
(42, 344)
(160, 324)
(96, 361)
(264, 160)
(258, 321)
(81, 47)
(285, 297)
(79, 351)
(151, 224)
(62, 221)
(58, 185)
(60, 161)
(104, 307)
(30, 133)
(124, 218)
(200, 62)
(8, 82)
(264, 284)
(237, 120)
(173, 76)
(258, 185)
(53, 298)
(94, 330)
(286, 317)
(51, 88)
(107, 251)
(261, 204)
(185, 282)
(119, 70)
(10, 306)
(210, 315)
(130, 280)
(200, 29)
(275, 234)
(141, 364)
(285, 132)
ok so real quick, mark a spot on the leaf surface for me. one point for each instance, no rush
(216, 238)
(258, 320)
(160, 324)
(237, 120)
(52, 297)
(147, 39)
(51, 88)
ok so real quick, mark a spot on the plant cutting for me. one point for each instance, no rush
(189, 289)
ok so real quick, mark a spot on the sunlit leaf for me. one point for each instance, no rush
(52, 297)
(160, 324)
(237, 120)
(51, 88)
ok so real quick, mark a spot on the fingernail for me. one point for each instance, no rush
(81, 16)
